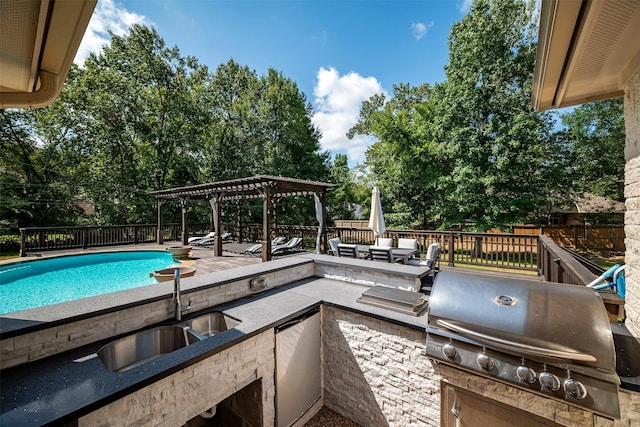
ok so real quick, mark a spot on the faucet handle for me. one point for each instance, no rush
(186, 307)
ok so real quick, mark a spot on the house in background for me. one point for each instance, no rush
(587, 209)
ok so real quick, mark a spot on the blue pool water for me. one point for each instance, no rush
(31, 284)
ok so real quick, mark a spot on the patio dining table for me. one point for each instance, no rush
(403, 253)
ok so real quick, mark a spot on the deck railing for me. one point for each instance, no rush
(513, 251)
(558, 265)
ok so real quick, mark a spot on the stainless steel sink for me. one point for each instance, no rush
(212, 323)
(135, 349)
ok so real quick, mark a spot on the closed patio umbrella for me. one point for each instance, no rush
(376, 218)
(318, 205)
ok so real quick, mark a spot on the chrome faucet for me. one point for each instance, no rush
(179, 308)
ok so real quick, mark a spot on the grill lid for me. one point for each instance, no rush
(542, 320)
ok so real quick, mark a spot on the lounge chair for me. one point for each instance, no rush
(195, 239)
(333, 246)
(377, 253)
(287, 247)
(254, 249)
(226, 237)
(347, 251)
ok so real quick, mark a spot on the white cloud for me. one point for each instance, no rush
(465, 6)
(419, 30)
(337, 107)
(107, 17)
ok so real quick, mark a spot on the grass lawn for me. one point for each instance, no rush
(9, 255)
(603, 259)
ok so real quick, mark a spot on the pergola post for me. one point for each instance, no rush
(239, 219)
(216, 210)
(266, 228)
(159, 234)
(323, 241)
(276, 203)
(185, 232)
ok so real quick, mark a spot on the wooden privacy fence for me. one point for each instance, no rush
(603, 237)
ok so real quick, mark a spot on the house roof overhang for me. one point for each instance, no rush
(246, 188)
(588, 50)
(38, 42)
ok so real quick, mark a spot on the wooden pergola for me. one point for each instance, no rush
(269, 188)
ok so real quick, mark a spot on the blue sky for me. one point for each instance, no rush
(338, 52)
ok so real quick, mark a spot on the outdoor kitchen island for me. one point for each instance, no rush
(374, 367)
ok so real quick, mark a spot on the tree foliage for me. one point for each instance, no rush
(471, 148)
(597, 134)
(139, 117)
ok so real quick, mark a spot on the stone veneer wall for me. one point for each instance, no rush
(367, 276)
(632, 195)
(174, 400)
(553, 410)
(376, 373)
(46, 342)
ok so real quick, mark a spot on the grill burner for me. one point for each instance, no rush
(548, 338)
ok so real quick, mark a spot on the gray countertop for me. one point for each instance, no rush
(57, 389)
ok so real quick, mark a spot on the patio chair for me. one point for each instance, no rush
(377, 253)
(287, 247)
(384, 242)
(194, 239)
(408, 244)
(347, 251)
(433, 252)
(333, 246)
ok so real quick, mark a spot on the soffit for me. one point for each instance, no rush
(587, 51)
(38, 42)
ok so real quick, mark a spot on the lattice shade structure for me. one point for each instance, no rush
(262, 186)
(246, 188)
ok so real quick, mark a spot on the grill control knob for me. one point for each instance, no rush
(550, 381)
(450, 351)
(485, 362)
(575, 389)
(526, 374)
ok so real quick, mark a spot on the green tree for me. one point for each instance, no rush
(497, 144)
(405, 159)
(596, 132)
(128, 119)
(341, 199)
(32, 190)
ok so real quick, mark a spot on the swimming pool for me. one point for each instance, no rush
(30, 284)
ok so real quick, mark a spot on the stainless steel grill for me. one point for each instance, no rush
(548, 338)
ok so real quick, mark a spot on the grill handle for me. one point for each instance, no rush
(519, 347)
